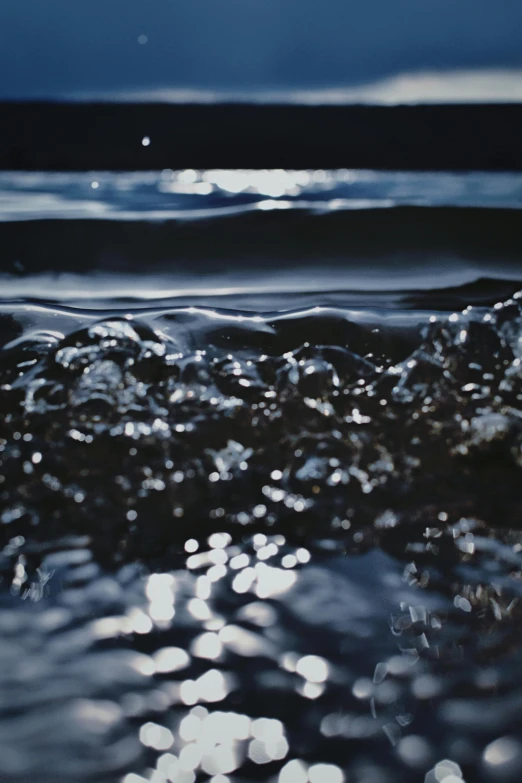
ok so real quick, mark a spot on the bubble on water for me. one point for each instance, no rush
(415, 751)
(170, 659)
(313, 668)
(445, 771)
(293, 772)
(325, 773)
(155, 736)
(502, 752)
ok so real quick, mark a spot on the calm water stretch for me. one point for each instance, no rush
(260, 461)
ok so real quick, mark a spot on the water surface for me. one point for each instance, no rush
(260, 535)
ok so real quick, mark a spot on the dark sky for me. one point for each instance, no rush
(55, 47)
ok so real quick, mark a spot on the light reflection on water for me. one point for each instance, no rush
(225, 564)
(381, 636)
(190, 194)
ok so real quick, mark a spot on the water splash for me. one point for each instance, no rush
(262, 548)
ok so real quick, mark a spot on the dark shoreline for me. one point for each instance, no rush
(108, 136)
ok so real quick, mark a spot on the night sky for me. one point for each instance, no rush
(60, 47)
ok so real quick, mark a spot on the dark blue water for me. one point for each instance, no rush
(261, 240)
(260, 451)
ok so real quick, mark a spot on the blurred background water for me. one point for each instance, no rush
(261, 240)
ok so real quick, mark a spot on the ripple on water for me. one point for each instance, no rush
(281, 549)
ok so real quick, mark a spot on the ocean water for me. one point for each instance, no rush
(260, 454)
